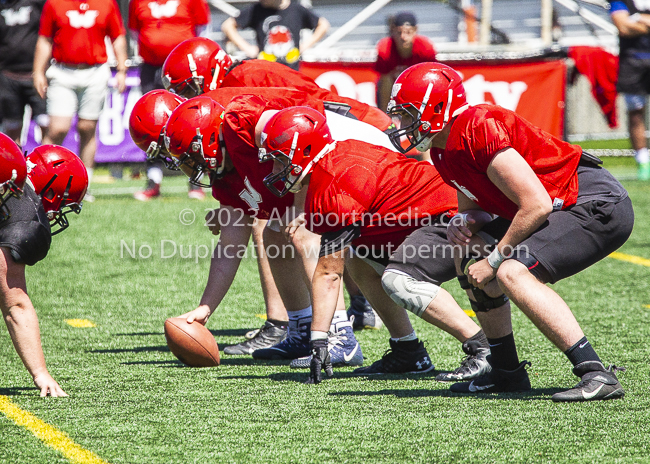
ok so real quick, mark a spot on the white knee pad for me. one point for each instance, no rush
(411, 294)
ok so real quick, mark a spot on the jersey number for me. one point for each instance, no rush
(250, 195)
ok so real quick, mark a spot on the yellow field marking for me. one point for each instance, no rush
(646, 306)
(81, 323)
(261, 316)
(47, 434)
(469, 312)
(630, 259)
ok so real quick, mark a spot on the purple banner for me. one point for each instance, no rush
(114, 144)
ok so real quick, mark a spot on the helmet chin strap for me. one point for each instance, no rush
(425, 143)
(326, 149)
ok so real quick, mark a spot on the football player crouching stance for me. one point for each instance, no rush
(350, 189)
(37, 195)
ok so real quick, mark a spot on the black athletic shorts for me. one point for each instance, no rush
(426, 255)
(15, 94)
(634, 76)
(576, 237)
(26, 233)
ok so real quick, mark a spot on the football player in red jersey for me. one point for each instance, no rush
(229, 156)
(199, 65)
(35, 192)
(389, 211)
(210, 67)
(559, 213)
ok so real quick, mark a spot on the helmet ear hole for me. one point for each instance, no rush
(438, 108)
(213, 138)
(50, 194)
(307, 151)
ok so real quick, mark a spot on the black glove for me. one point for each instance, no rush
(320, 359)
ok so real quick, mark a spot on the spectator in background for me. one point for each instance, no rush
(277, 25)
(401, 49)
(73, 32)
(633, 26)
(159, 26)
(19, 20)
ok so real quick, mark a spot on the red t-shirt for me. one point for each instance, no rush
(389, 194)
(78, 29)
(388, 59)
(480, 132)
(163, 24)
(261, 73)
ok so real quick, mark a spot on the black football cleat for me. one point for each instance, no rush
(295, 345)
(410, 357)
(596, 383)
(472, 366)
(497, 381)
(265, 337)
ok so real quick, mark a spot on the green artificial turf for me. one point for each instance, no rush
(131, 401)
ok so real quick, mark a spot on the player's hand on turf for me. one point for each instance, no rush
(480, 273)
(212, 221)
(200, 315)
(320, 360)
(48, 386)
(458, 232)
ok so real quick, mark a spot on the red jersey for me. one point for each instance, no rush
(238, 130)
(480, 132)
(242, 188)
(388, 194)
(261, 73)
(78, 29)
(163, 24)
(231, 190)
(388, 58)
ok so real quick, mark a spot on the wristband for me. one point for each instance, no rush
(495, 258)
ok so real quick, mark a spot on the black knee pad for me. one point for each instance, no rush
(483, 302)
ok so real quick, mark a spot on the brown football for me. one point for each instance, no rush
(192, 343)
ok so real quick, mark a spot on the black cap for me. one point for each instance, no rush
(404, 18)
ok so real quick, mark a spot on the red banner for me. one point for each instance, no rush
(533, 90)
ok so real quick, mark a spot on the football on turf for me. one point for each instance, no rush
(192, 343)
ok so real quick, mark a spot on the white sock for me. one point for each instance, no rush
(303, 313)
(90, 172)
(318, 335)
(406, 338)
(641, 156)
(155, 174)
(340, 316)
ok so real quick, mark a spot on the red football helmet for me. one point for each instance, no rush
(60, 179)
(195, 66)
(193, 136)
(297, 138)
(147, 123)
(13, 172)
(424, 98)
